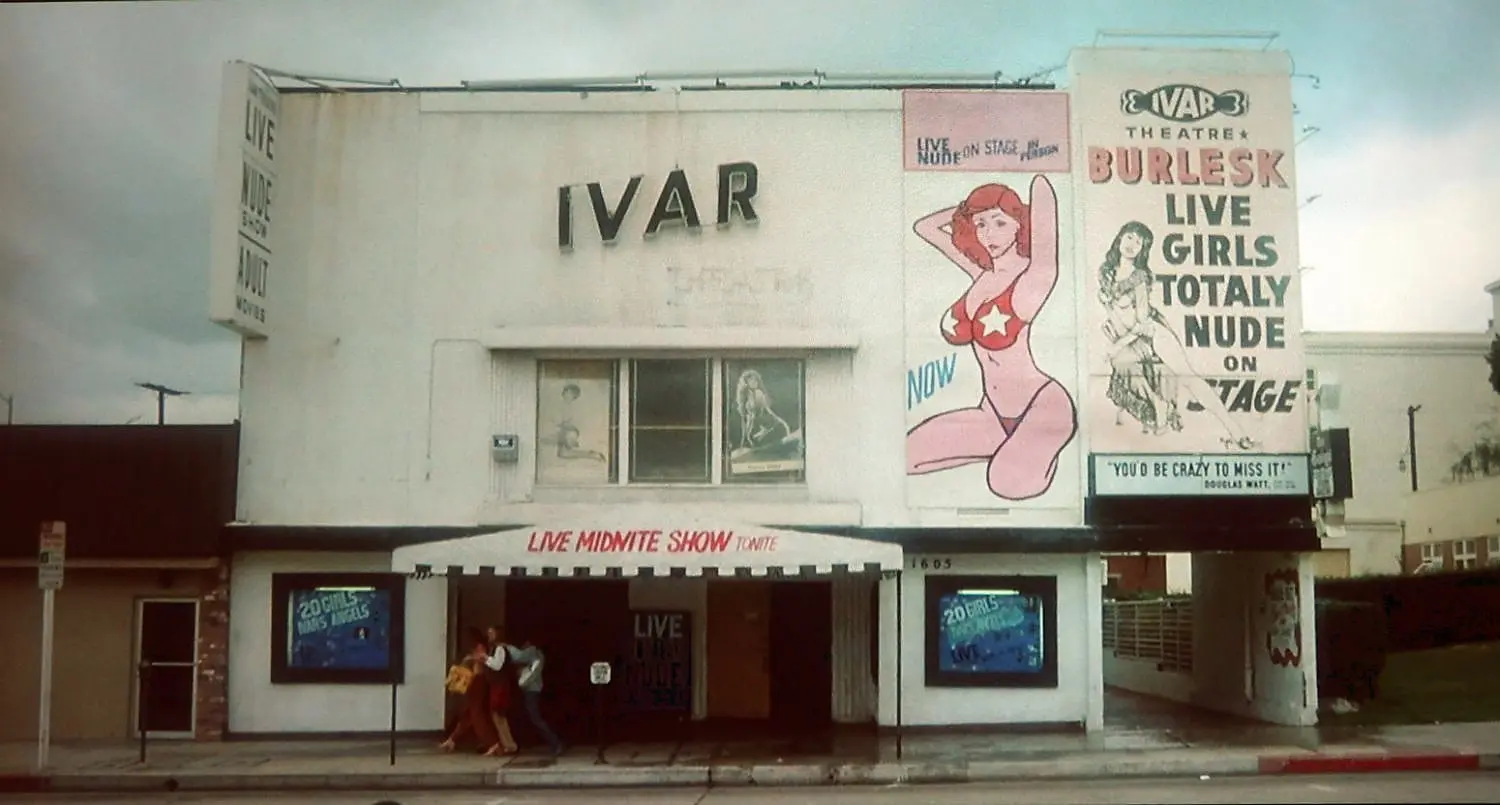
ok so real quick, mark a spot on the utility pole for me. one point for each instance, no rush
(10, 408)
(162, 393)
(1411, 440)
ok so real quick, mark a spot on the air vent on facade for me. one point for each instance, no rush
(983, 512)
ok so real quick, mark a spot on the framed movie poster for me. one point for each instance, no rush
(337, 627)
(991, 631)
(763, 421)
(576, 422)
(659, 668)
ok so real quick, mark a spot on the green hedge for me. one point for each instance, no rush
(1352, 647)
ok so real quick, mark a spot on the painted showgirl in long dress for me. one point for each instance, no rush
(1149, 367)
(1024, 418)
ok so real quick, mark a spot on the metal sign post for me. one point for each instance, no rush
(600, 674)
(51, 551)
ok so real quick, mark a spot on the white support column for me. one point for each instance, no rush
(888, 673)
(1308, 615)
(1093, 565)
(854, 684)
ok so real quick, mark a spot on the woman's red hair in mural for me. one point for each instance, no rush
(990, 197)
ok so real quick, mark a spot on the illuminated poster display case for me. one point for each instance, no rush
(991, 631)
(338, 628)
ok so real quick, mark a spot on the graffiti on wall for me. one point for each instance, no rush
(1281, 611)
(991, 333)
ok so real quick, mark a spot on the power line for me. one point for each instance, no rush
(162, 393)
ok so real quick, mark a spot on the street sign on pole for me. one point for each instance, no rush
(52, 550)
(51, 554)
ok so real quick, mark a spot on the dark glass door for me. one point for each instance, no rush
(802, 657)
(575, 622)
(167, 666)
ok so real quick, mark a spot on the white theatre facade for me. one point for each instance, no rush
(776, 401)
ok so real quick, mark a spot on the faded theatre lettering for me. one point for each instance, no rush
(650, 541)
(675, 206)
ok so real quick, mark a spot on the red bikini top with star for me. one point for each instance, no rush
(994, 325)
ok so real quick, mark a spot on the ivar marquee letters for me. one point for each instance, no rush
(737, 184)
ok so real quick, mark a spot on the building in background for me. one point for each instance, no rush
(1454, 524)
(777, 401)
(1397, 393)
(143, 508)
(1365, 383)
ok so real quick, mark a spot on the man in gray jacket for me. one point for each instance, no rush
(529, 660)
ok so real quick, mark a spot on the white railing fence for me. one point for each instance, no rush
(1159, 631)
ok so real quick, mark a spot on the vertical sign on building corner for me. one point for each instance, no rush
(51, 553)
(242, 257)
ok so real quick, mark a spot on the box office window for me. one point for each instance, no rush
(331, 628)
(991, 631)
(671, 421)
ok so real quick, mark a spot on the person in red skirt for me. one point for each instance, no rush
(476, 716)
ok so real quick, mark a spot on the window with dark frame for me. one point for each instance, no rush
(338, 628)
(670, 421)
(991, 631)
(668, 417)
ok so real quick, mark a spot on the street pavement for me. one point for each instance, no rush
(1151, 745)
(1375, 788)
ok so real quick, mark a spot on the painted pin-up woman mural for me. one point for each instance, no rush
(1024, 418)
(1148, 366)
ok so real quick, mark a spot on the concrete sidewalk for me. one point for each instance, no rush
(948, 758)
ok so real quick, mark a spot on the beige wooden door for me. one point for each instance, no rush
(1331, 564)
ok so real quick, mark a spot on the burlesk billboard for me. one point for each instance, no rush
(992, 352)
(1187, 254)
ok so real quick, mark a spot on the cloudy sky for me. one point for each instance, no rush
(108, 111)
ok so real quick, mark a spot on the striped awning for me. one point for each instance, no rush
(711, 550)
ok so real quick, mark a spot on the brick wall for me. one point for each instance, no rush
(1138, 573)
(1412, 553)
(213, 656)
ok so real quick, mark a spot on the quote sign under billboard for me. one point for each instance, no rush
(245, 184)
(1141, 475)
(1185, 173)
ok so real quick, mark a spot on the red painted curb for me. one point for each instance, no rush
(1326, 764)
(24, 784)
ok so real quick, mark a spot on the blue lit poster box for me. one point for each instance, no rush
(991, 631)
(332, 628)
